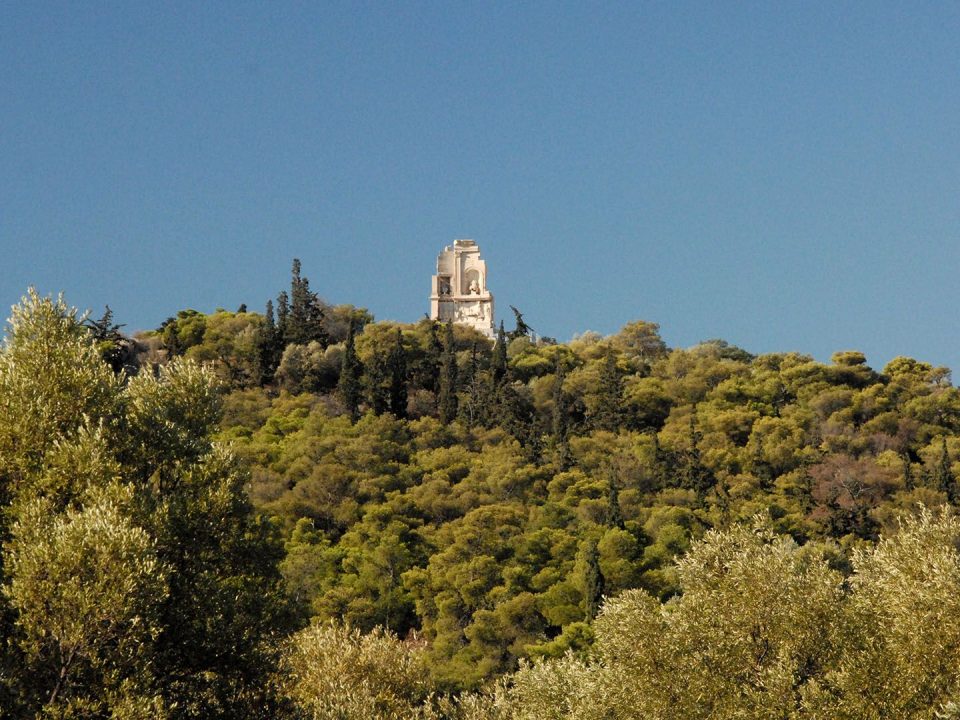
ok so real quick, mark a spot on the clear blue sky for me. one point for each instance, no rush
(785, 176)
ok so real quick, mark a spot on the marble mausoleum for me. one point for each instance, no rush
(459, 291)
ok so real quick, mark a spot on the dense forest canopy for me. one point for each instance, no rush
(307, 513)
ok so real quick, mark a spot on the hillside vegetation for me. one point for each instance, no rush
(307, 513)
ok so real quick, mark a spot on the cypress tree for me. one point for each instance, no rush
(349, 387)
(511, 413)
(283, 318)
(614, 514)
(560, 417)
(376, 377)
(592, 579)
(609, 412)
(560, 409)
(429, 374)
(761, 468)
(398, 378)
(472, 382)
(314, 319)
(171, 340)
(943, 474)
(469, 380)
(306, 322)
(298, 304)
(696, 476)
(269, 347)
(499, 362)
(907, 471)
(448, 378)
(722, 493)
(268, 317)
(663, 464)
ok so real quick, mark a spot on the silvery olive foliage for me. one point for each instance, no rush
(334, 672)
(763, 628)
(135, 580)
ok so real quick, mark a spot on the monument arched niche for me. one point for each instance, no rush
(472, 282)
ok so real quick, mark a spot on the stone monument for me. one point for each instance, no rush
(459, 290)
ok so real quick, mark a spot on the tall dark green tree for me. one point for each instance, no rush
(398, 378)
(591, 579)
(171, 341)
(109, 339)
(513, 411)
(762, 470)
(695, 475)
(560, 415)
(306, 321)
(269, 347)
(376, 382)
(349, 386)
(283, 316)
(521, 329)
(471, 368)
(498, 363)
(943, 474)
(907, 471)
(614, 513)
(428, 369)
(478, 399)
(449, 383)
(608, 413)
(299, 300)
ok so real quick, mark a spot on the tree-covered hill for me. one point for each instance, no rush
(488, 495)
(606, 527)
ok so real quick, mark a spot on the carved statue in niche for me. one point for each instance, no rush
(444, 286)
(474, 287)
